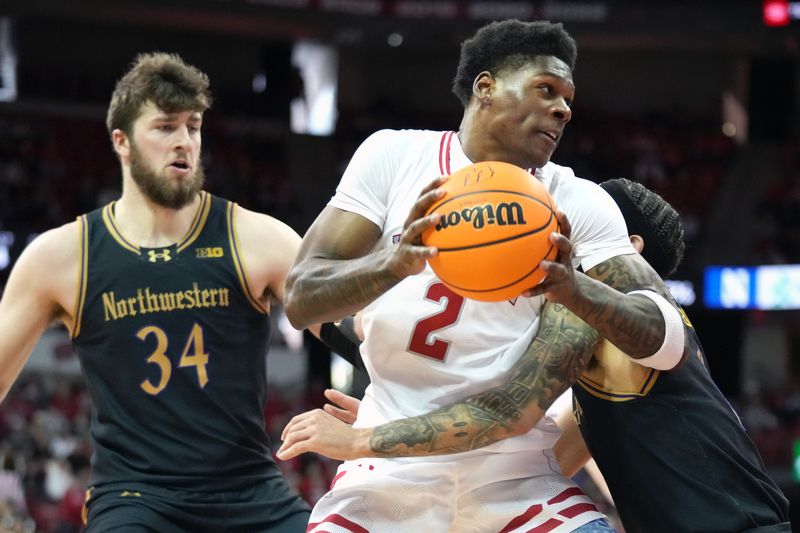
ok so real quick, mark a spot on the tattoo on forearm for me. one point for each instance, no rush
(631, 327)
(326, 284)
(553, 362)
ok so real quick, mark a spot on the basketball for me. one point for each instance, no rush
(494, 230)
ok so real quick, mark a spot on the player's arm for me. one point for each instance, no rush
(623, 298)
(628, 303)
(337, 274)
(44, 275)
(269, 248)
(341, 338)
(340, 269)
(570, 448)
(552, 362)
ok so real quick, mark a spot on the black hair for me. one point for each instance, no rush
(507, 45)
(649, 215)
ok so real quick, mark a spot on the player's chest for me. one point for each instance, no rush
(404, 193)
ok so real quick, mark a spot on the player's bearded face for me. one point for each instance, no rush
(159, 188)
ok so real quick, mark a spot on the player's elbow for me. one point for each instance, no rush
(502, 431)
(525, 423)
(295, 315)
(518, 429)
(292, 304)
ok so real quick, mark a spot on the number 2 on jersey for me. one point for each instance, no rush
(422, 342)
(193, 355)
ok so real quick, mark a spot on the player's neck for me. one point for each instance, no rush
(476, 144)
(469, 143)
(149, 225)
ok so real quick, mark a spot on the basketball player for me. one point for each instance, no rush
(166, 294)
(687, 463)
(673, 451)
(425, 346)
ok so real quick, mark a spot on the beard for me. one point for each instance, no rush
(159, 189)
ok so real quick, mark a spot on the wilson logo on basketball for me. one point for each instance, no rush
(498, 219)
(503, 214)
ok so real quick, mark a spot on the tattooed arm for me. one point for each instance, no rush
(632, 322)
(336, 274)
(553, 361)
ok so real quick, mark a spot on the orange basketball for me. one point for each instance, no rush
(495, 228)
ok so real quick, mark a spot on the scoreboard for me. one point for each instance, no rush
(769, 287)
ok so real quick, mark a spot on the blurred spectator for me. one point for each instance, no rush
(70, 508)
(11, 490)
(777, 238)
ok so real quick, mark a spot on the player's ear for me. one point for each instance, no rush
(483, 86)
(637, 242)
(121, 143)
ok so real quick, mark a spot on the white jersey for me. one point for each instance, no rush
(425, 346)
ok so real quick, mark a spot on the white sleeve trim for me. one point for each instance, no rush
(671, 351)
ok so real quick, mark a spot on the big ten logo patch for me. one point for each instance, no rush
(205, 253)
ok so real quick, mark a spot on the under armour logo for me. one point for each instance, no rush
(156, 256)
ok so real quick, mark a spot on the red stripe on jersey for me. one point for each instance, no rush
(575, 510)
(441, 153)
(340, 521)
(336, 478)
(447, 154)
(572, 491)
(523, 518)
(550, 525)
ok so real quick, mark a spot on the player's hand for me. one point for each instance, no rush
(346, 408)
(317, 431)
(409, 256)
(560, 285)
